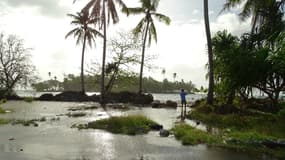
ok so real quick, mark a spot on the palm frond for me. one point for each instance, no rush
(136, 11)
(138, 29)
(231, 4)
(112, 11)
(70, 32)
(154, 5)
(149, 37)
(152, 31)
(162, 18)
(123, 6)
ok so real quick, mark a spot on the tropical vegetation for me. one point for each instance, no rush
(104, 11)
(83, 33)
(124, 82)
(146, 27)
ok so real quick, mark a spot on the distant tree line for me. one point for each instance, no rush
(124, 82)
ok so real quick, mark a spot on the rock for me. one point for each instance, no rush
(156, 127)
(11, 139)
(71, 96)
(36, 125)
(21, 150)
(116, 106)
(156, 104)
(164, 133)
(171, 104)
(46, 97)
(197, 123)
(274, 144)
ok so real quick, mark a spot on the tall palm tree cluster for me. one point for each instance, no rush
(99, 13)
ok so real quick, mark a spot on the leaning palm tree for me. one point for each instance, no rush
(146, 26)
(210, 97)
(83, 32)
(99, 9)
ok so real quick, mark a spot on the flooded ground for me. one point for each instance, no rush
(53, 139)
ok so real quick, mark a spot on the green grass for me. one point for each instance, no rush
(29, 99)
(3, 101)
(4, 121)
(266, 124)
(244, 131)
(2, 111)
(130, 125)
(191, 136)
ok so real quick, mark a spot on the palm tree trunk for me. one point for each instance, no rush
(82, 65)
(142, 61)
(104, 57)
(210, 97)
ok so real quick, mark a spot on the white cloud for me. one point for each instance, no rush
(181, 46)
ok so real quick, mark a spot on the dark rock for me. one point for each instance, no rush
(274, 144)
(36, 125)
(164, 133)
(11, 139)
(197, 123)
(143, 99)
(156, 104)
(46, 97)
(129, 97)
(171, 104)
(21, 149)
(71, 96)
(116, 106)
(156, 127)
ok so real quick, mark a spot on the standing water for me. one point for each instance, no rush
(56, 140)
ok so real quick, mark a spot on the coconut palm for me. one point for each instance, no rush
(83, 32)
(254, 8)
(146, 26)
(210, 96)
(99, 9)
(163, 73)
(174, 76)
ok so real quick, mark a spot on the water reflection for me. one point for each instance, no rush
(55, 140)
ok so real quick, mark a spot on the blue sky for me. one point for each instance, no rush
(181, 47)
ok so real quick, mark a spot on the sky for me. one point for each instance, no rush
(181, 46)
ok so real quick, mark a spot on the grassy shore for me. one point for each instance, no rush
(249, 131)
(130, 125)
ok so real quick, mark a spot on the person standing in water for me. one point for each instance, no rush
(183, 103)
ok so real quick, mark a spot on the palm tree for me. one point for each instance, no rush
(98, 10)
(163, 73)
(83, 32)
(146, 26)
(210, 97)
(174, 76)
(254, 8)
(49, 74)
